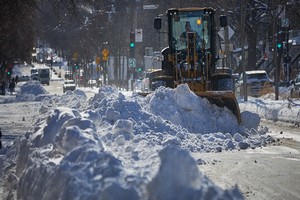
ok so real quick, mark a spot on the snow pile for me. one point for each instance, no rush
(179, 174)
(30, 91)
(182, 107)
(126, 147)
(276, 110)
(32, 87)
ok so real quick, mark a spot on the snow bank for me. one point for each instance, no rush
(179, 175)
(126, 147)
(287, 110)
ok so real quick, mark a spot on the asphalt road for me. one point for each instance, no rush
(267, 173)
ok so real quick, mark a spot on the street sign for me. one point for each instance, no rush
(132, 62)
(285, 22)
(97, 60)
(150, 7)
(75, 56)
(230, 33)
(104, 58)
(138, 35)
(105, 52)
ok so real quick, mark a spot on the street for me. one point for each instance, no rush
(270, 172)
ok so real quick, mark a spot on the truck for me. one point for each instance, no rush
(194, 56)
(153, 61)
(44, 75)
(257, 83)
(148, 75)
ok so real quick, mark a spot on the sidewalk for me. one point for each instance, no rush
(7, 98)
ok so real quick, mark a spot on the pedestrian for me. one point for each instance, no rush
(17, 79)
(11, 86)
(0, 139)
(3, 87)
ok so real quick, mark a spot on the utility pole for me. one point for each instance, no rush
(287, 58)
(227, 60)
(277, 52)
(242, 22)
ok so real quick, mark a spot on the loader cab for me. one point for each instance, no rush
(190, 36)
(194, 55)
(193, 47)
(190, 28)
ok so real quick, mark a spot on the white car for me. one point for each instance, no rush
(69, 85)
(92, 83)
(258, 83)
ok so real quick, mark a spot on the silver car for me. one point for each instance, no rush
(295, 89)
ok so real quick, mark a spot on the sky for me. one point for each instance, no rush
(119, 145)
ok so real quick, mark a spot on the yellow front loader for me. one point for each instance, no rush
(194, 56)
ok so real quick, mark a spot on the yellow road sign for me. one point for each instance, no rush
(105, 52)
(97, 60)
(75, 56)
(104, 58)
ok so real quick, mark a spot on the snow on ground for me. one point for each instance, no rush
(284, 110)
(118, 145)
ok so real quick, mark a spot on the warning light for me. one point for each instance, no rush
(199, 21)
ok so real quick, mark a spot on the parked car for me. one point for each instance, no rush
(69, 85)
(92, 83)
(34, 71)
(258, 83)
(35, 76)
(295, 88)
(24, 78)
(67, 75)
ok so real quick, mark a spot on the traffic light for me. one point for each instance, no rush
(139, 69)
(132, 40)
(8, 70)
(280, 39)
(75, 66)
(132, 44)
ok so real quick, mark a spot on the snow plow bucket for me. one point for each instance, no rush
(222, 99)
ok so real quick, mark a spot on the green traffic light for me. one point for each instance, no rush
(139, 69)
(132, 44)
(279, 45)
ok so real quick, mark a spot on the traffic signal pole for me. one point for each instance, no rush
(275, 56)
(278, 52)
(132, 61)
(287, 57)
(132, 45)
